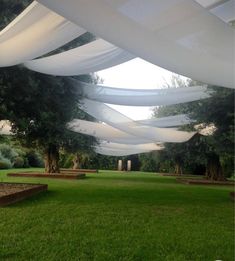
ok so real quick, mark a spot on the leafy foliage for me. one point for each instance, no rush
(40, 106)
(217, 111)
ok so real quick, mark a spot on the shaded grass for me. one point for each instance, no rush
(119, 216)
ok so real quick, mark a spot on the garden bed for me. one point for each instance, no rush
(204, 182)
(48, 175)
(181, 176)
(71, 171)
(13, 192)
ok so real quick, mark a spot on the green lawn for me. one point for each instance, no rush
(119, 216)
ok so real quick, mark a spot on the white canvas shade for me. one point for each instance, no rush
(36, 31)
(178, 35)
(115, 152)
(117, 149)
(225, 11)
(91, 57)
(169, 121)
(104, 132)
(140, 97)
(123, 146)
(117, 120)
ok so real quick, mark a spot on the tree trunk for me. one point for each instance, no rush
(76, 161)
(178, 168)
(52, 159)
(213, 168)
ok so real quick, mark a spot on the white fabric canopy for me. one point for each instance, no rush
(104, 132)
(91, 57)
(116, 152)
(140, 97)
(208, 4)
(117, 149)
(117, 120)
(113, 152)
(170, 121)
(36, 31)
(119, 146)
(225, 11)
(179, 35)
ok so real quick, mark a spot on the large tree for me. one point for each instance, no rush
(211, 150)
(40, 106)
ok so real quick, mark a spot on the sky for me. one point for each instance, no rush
(135, 74)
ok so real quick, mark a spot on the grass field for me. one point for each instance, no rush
(119, 216)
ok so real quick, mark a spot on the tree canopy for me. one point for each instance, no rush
(216, 112)
(40, 106)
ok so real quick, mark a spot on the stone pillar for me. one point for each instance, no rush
(129, 165)
(120, 165)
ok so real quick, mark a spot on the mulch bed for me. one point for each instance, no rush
(204, 182)
(71, 171)
(13, 192)
(48, 175)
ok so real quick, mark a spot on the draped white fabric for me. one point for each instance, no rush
(104, 132)
(117, 120)
(119, 146)
(170, 121)
(91, 57)
(36, 31)
(117, 149)
(115, 152)
(208, 4)
(140, 97)
(225, 11)
(179, 35)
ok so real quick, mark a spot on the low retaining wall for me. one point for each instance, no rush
(48, 175)
(24, 191)
(79, 170)
(205, 182)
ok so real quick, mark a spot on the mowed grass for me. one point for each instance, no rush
(119, 216)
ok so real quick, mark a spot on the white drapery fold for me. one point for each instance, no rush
(224, 9)
(117, 149)
(180, 36)
(104, 132)
(123, 146)
(91, 57)
(169, 121)
(140, 97)
(36, 31)
(115, 152)
(117, 120)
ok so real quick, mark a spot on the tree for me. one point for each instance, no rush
(217, 111)
(39, 106)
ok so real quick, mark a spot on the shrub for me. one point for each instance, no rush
(8, 152)
(19, 162)
(5, 163)
(149, 165)
(34, 159)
